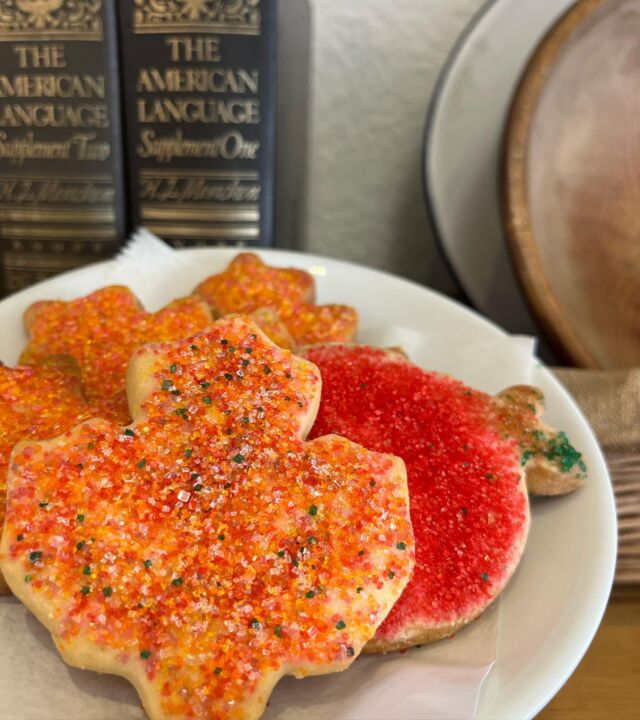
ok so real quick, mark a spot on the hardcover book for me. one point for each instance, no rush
(61, 177)
(199, 88)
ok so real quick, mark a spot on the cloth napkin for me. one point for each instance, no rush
(610, 399)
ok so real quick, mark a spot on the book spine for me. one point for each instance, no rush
(199, 96)
(61, 175)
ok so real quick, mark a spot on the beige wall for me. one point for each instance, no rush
(374, 64)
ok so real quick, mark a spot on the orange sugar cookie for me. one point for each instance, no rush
(208, 549)
(316, 324)
(40, 401)
(249, 284)
(268, 320)
(102, 329)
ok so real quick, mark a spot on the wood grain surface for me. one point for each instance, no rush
(606, 684)
(572, 184)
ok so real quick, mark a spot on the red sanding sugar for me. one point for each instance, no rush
(466, 506)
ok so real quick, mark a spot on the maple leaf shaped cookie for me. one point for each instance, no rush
(268, 320)
(208, 549)
(248, 284)
(101, 330)
(40, 401)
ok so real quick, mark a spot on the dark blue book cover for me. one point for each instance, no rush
(61, 177)
(198, 79)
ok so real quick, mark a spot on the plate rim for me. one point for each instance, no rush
(504, 301)
(471, 311)
(429, 129)
(307, 259)
(562, 679)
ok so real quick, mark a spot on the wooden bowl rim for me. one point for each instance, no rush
(521, 242)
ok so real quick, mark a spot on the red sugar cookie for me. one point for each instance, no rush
(102, 329)
(552, 465)
(208, 549)
(466, 454)
(249, 284)
(469, 504)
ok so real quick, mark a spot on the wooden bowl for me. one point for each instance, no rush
(571, 184)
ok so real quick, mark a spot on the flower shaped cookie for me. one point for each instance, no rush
(249, 284)
(208, 549)
(101, 331)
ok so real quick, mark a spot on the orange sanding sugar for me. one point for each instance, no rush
(268, 320)
(114, 408)
(467, 508)
(312, 324)
(40, 402)
(208, 545)
(101, 331)
(248, 284)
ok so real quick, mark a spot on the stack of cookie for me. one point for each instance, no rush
(168, 520)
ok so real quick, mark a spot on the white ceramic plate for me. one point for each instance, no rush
(463, 147)
(551, 610)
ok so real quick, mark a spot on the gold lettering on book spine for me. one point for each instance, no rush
(232, 17)
(50, 19)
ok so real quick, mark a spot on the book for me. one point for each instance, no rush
(199, 95)
(61, 175)
(292, 127)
